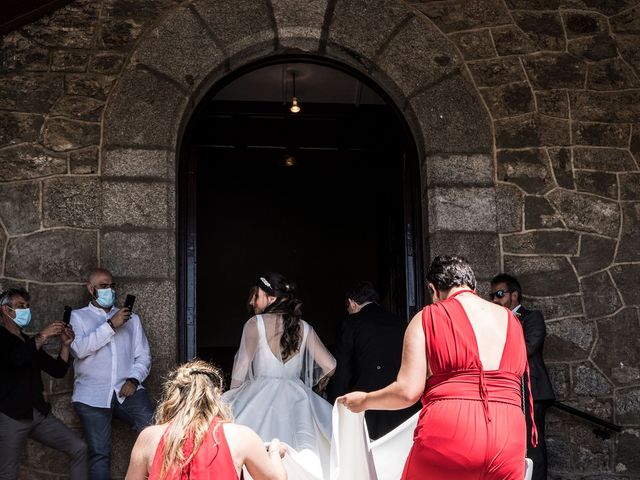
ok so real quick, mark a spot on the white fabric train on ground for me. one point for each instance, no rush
(353, 456)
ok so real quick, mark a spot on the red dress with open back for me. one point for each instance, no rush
(471, 425)
(212, 461)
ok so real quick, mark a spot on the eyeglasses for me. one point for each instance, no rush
(499, 294)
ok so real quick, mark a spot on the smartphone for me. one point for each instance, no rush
(66, 317)
(129, 301)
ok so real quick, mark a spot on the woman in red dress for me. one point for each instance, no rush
(465, 357)
(195, 438)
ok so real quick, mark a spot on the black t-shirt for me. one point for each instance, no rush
(20, 379)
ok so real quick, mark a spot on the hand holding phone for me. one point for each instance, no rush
(129, 301)
(66, 317)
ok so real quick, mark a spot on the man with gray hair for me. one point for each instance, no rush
(23, 410)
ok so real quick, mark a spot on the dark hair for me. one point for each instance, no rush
(253, 292)
(362, 292)
(287, 305)
(448, 271)
(512, 282)
(8, 295)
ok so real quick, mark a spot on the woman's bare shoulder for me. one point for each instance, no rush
(498, 310)
(484, 307)
(152, 433)
(238, 435)
(147, 442)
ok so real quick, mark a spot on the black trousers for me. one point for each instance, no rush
(538, 454)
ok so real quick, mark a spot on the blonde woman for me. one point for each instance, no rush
(195, 438)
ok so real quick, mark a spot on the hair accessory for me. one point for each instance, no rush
(264, 280)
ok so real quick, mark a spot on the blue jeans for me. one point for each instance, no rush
(136, 410)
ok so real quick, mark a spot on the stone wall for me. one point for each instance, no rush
(560, 80)
(526, 115)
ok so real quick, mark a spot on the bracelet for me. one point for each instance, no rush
(135, 381)
(111, 324)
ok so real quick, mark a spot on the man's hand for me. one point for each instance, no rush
(121, 317)
(67, 335)
(128, 389)
(52, 330)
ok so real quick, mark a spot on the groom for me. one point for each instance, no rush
(369, 354)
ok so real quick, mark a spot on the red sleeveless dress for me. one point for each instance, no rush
(471, 425)
(212, 461)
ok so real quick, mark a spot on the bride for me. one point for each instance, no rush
(279, 361)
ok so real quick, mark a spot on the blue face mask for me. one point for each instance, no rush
(105, 297)
(23, 316)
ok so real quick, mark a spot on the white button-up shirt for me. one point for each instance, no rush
(105, 358)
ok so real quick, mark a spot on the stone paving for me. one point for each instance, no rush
(526, 116)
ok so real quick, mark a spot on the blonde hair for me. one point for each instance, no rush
(191, 399)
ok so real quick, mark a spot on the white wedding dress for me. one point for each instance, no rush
(275, 397)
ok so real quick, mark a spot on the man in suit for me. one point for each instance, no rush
(369, 354)
(506, 291)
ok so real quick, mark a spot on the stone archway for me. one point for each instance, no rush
(199, 43)
(543, 182)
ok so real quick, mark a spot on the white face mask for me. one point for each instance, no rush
(105, 297)
(23, 316)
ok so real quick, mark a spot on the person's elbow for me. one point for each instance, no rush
(280, 475)
(78, 352)
(408, 394)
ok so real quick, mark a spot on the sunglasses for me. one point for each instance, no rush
(499, 294)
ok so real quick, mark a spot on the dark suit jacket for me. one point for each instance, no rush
(369, 354)
(534, 333)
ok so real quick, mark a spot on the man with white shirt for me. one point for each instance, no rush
(506, 291)
(112, 359)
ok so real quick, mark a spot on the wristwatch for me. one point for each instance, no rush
(135, 381)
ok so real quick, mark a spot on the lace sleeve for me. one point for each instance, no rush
(319, 363)
(242, 364)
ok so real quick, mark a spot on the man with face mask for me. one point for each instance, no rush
(506, 291)
(23, 410)
(112, 359)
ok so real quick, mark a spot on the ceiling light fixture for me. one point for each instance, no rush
(295, 107)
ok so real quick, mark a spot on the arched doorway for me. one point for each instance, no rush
(195, 47)
(328, 196)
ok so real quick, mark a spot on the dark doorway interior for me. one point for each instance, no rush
(321, 196)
